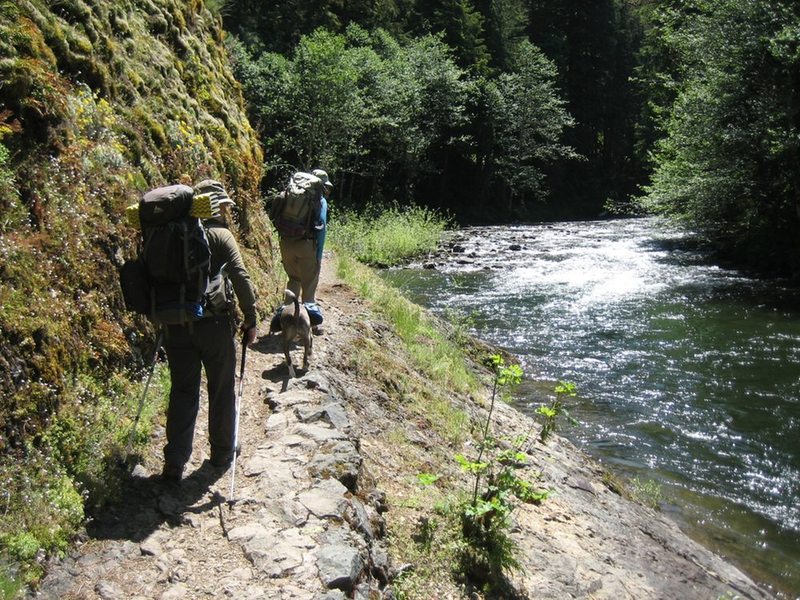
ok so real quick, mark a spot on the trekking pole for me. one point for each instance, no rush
(236, 418)
(129, 446)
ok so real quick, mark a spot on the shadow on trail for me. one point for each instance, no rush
(148, 502)
(278, 373)
(267, 344)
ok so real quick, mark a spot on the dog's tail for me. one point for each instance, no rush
(290, 296)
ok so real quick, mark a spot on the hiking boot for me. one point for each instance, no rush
(172, 473)
(317, 330)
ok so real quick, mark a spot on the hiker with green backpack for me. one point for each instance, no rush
(188, 270)
(297, 214)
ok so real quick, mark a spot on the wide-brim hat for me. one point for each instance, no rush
(324, 177)
(215, 189)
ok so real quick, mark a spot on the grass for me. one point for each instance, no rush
(642, 491)
(387, 236)
(439, 357)
(433, 544)
(10, 586)
(646, 492)
(446, 553)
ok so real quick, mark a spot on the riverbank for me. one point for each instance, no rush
(686, 371)
(327, 503)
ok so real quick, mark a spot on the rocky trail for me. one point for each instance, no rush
(321, 483)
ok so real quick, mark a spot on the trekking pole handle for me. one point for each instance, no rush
(245, 336)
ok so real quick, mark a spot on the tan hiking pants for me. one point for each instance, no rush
(300, 262)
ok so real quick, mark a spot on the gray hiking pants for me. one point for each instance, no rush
(209, 343)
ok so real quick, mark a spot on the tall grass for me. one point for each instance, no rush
(387, 236)
(390, 238)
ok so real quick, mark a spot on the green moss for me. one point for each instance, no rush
(75, 11)
(79, 44)
(157, 24)
(98, 107)
(13, 214)
(178, 17)
(9, 10)
(154, 129)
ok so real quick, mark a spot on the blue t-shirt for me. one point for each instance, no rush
(323, 228)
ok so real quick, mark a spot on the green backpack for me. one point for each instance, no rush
(296, 212)
(169, 278)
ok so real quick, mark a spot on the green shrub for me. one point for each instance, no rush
(74, 468)
(549, 413)
(43, 509)
(22, 545)
(390, 236)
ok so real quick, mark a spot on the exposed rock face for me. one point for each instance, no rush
(319, 484)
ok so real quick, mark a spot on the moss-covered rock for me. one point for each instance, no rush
(102, 100)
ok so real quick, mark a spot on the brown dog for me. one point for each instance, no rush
(295, 325)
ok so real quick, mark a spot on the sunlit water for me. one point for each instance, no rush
(688, 374)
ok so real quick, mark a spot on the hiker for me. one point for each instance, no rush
(208, 343)
(321, 230)
(295, 212)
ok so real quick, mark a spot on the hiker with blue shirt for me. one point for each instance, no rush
(322, 226)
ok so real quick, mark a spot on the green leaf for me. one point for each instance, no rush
(566, 388)
(469, 466)
(427, 479)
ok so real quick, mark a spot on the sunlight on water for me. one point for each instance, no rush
(687, 373)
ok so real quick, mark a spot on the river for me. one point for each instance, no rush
(688, 374)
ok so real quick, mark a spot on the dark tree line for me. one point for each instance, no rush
(727, 161)
(500, 110)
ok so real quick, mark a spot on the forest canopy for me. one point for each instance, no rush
(514, 110)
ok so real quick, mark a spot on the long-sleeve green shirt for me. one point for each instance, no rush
(225, 252)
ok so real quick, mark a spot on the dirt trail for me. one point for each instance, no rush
(310, 514)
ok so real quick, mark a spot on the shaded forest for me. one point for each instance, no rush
(517, 110)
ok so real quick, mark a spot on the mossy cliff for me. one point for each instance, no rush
(100, 100)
